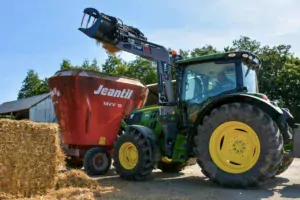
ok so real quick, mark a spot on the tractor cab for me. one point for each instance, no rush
(210, 77)
(217, 74)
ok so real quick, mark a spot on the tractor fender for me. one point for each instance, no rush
(274, 111)
(151, 137)
(288, 117)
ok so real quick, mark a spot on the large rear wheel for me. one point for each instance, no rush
(238, 145)
(132, 156)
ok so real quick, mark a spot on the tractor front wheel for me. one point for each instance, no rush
(238, 145)
(97, 161)
(132, 156)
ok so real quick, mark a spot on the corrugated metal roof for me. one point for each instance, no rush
(21, 104)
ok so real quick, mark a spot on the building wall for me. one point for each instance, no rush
(43, 111)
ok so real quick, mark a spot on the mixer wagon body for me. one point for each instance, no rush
(90, 107)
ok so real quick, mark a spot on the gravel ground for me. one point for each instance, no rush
(191, 184)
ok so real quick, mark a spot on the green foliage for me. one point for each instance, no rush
(114, 65)
(143, 70)
(66, 64)
(32, 85)
(139, 68)
(208, 49)
(279, 77)
(246, 44)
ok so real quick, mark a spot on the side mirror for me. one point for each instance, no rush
(245, 88)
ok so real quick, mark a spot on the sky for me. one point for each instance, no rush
(38, 35)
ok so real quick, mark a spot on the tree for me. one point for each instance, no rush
(143, 70)
(279, 76)
(94, 65)
(273, 67)
(244, 43)
(114, 65)
(66, 64)
(32, 85)
(184, 54)
(139, 68)
(205, 50)
(44, 88)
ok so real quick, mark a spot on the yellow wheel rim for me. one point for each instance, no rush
(234, 147)
(128, 155)
(166, 159)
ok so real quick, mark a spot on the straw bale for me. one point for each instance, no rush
(30, 156)
(191, 161)
(75, 178)
(4, 196)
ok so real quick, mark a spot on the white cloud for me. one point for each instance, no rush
(219, 22)
(127, 56)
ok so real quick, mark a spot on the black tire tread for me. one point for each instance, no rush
(267, 165)
(88, 161)
(144, 166)
(284, 165)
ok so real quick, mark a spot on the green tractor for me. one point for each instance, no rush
(216, 115)
(237, 135)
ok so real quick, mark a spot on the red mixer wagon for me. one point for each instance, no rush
(89, 107)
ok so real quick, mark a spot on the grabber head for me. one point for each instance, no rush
(102, 28)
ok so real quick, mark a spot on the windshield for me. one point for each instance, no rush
(203, 80)
(250, 79)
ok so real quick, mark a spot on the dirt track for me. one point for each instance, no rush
(191, 184)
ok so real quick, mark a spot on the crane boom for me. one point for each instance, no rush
(112, 32)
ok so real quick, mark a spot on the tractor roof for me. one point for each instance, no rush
(227, 55)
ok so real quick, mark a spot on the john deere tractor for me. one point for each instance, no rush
(214, 114)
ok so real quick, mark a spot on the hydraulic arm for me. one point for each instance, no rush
(116, 36)
(112, 32)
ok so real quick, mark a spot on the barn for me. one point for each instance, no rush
(37, 108)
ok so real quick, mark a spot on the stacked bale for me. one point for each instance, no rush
(30, 157)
